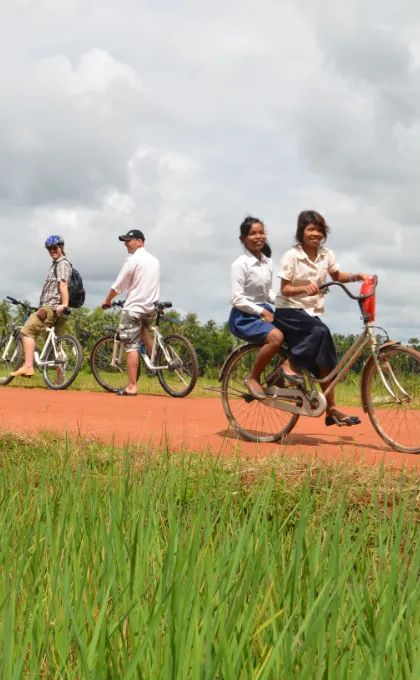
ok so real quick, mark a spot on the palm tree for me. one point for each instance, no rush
(414, 343)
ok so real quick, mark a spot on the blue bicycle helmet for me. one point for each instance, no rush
(54, 241)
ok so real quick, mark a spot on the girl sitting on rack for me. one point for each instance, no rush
(251, 295)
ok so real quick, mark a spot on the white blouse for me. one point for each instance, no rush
(251, 283)
(297, 268)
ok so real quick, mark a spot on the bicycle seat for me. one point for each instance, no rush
(111, 329)
(163, 305)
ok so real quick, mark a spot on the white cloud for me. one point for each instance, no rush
(94, 73)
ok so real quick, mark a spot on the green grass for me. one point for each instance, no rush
(86, 382)
(143, 564)
(347, 392)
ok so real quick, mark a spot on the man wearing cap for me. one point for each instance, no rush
(140, 278)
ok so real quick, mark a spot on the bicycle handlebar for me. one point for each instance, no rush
(158, 305)
(22, 304)
(359, 298)
(66, 310)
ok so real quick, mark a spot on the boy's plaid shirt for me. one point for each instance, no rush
(59, 271)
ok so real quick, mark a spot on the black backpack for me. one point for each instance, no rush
(76, 290)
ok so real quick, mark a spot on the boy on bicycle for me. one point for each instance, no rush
(54, 299)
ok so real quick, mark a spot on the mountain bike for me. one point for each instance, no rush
(59, 360)
(389, 383)
(173, 359)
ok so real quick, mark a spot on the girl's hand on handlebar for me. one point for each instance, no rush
(266, 315)
(311, 289)
(363, 277)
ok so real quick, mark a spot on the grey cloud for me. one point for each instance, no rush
(360, 135)
(183, 118)
(70, 130)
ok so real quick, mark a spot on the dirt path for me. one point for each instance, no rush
(196, 423)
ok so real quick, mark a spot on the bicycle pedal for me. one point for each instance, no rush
(151, 373)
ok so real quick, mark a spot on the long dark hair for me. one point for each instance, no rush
(245, 228)
(307, 217)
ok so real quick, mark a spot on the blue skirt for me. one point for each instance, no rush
(249, 327)
(308, 339)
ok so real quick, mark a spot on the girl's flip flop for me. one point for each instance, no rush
(254, 393)
(347, 420)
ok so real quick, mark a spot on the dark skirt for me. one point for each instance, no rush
(308, 339)
(249, 327)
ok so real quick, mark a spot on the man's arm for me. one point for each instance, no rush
(64, 293)
(107, 302)
(63, 273)
(119, 284)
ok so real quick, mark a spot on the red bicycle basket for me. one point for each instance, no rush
(369, 305)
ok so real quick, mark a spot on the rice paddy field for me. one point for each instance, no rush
(142, 563)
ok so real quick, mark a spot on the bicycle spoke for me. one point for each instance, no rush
(108, 364)
(396, 419)
(11, 357)
(63, 365)
(180, 376)
(250, 417)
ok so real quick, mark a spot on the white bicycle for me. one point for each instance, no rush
(173, 358)
(59, 360)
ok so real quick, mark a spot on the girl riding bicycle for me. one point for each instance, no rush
(300, 303)
(251, 295)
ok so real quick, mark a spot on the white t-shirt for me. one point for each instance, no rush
(140, 277)
(297, 268)
(251, 283)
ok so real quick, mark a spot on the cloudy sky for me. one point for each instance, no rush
(181, 118)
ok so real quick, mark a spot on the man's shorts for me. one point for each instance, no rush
(34, 326)
(131, 326)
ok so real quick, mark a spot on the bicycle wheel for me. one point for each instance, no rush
(249, 417)
(109, 365)
(66, 366)
(395, 418)
(180, 377)
(11, 357)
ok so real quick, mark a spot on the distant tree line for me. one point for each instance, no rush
(212, 341)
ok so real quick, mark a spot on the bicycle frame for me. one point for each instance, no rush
(4, 356)
(158, 340)
(118, 352)
(39, 358)
(313, 403)
(367, 337)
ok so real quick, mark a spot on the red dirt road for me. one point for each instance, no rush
(195, 423)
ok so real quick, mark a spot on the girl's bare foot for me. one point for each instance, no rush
(254, 388)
